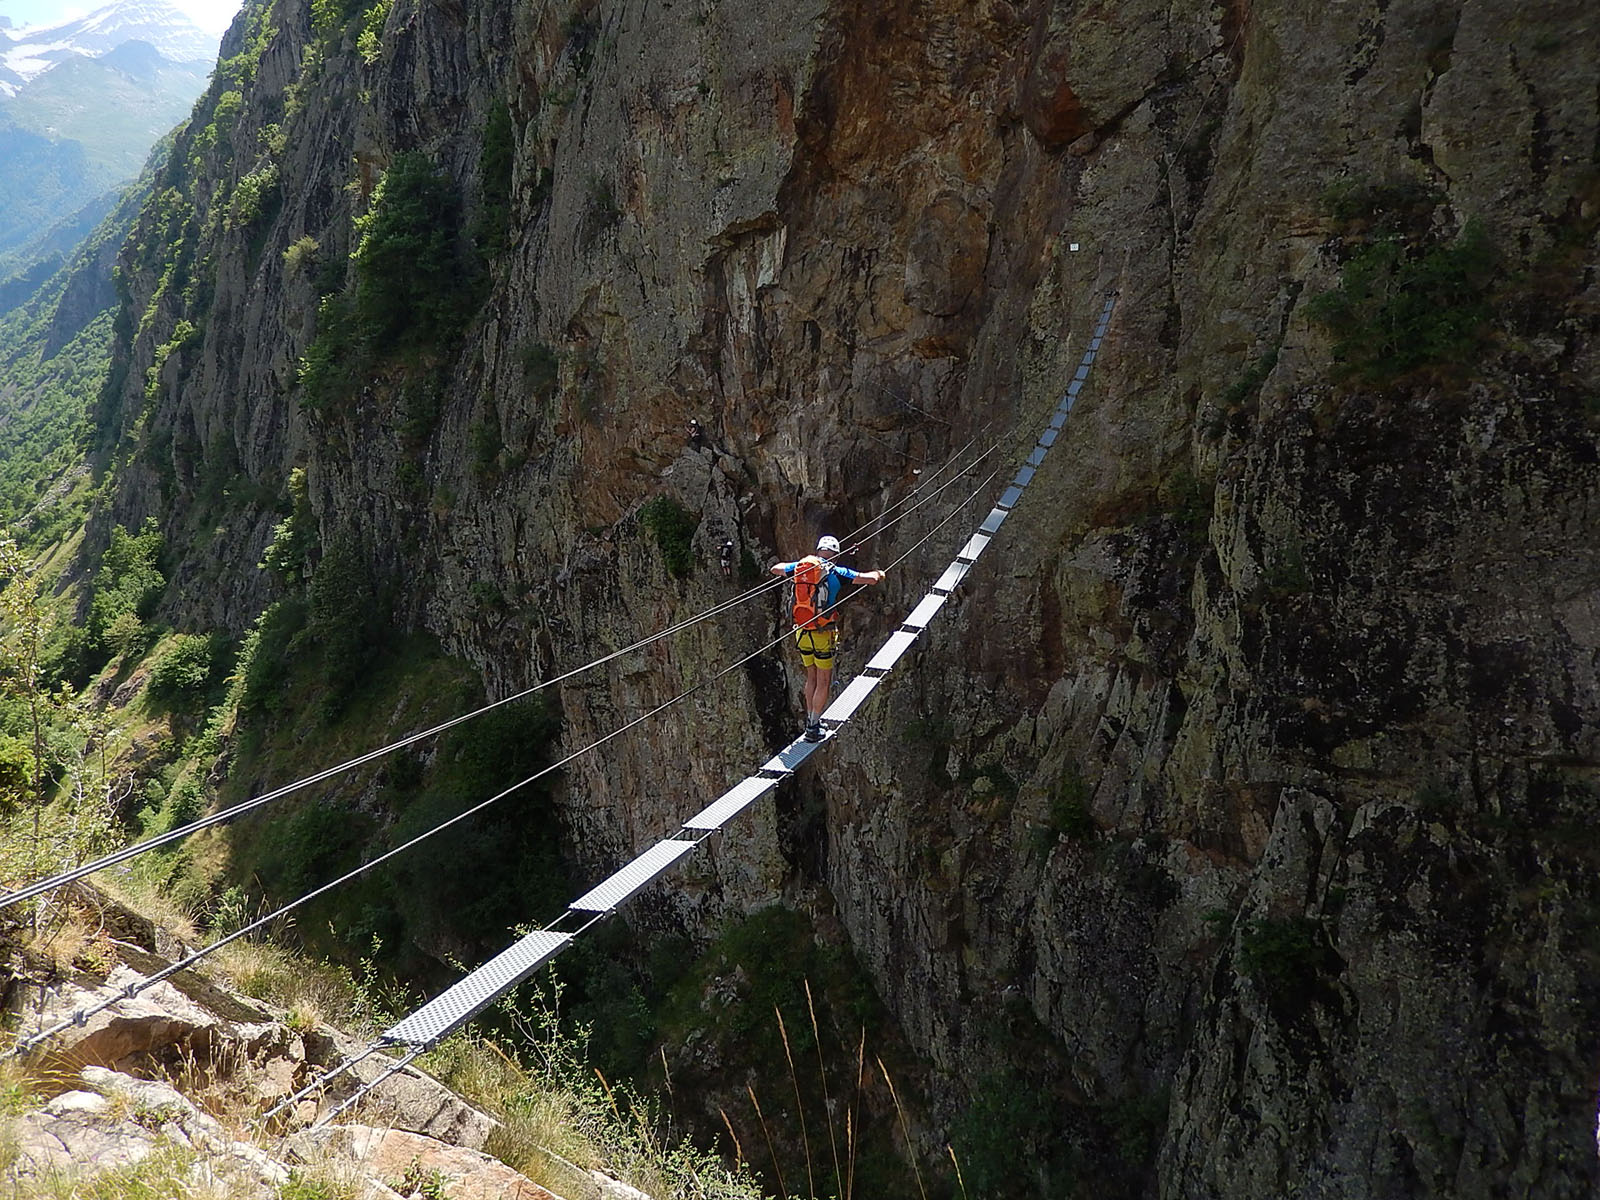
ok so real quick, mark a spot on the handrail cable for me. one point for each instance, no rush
(24, 1045)
(325, 1079)
(1005, 504)
(321, 1081)
(394, 1069)
(172, 835)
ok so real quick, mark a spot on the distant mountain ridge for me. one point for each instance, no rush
(30, 51)
(82, 102)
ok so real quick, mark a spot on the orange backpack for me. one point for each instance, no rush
(811, 594)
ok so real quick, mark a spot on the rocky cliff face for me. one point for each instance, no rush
(1248, 781)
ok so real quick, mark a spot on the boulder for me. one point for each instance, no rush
(397, 1157)
(118, 1121)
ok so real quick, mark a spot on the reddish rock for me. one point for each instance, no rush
(1051, 108)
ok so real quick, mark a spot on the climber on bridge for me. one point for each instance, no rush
(817, 583)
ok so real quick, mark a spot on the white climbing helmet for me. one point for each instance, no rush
(828, 544)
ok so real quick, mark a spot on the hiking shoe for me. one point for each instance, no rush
(813, 732)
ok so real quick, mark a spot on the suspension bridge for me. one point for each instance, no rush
(428, 1025)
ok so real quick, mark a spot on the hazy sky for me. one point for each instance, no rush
(211, 15)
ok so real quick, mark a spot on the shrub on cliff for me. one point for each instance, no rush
(294, 538)
(541, 369)
(1288, 959)
(413, 283)
(416, 283)
(348, 622)
(1399, 306)
(672, 526)
(189, 670)
(127, 582)
(495, 163)
(336, 357)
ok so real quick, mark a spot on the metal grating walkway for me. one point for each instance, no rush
(452, 1009)
(477, 991)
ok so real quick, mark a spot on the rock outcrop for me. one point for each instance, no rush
(182, 1071)
(1248, 781)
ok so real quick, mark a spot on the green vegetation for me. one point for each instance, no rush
(1287, 957)
(336, 357)
(1188, 503)
(1068, 816)
(184, 335)
(1390, 205)
(1287, 575)
(600, 213)
(126, 588)
(1136, 1125)
(192, 669)
(262, 671)
(494, 871)
(416, 284)
(773, 953)
(240, 69)
(46, 396)
(768, 991)
(54, 362)
(541, 369)
(369, 42)
(672, 526)
(348, 622)
(485, 443)
(495, 163)
(331, 19)
(1010, 1142)
(302, 255)
(412, 281)
(1245, 389)
(311, 1184)
(557, 1113)
(166, 1175)
(256, 198)
(1407, 301)
(294, 539)
(1436, 798)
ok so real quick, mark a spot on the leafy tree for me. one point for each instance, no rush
(295, 537)
(495, 163)
(128, 582)
(412, 281)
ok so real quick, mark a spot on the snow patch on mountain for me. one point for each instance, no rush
(29, 51)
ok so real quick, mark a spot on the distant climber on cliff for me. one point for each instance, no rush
(817, 583)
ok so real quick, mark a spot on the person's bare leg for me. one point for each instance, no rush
(818, 699)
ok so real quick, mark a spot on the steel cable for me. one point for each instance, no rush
(164, 839)
(24, 1045)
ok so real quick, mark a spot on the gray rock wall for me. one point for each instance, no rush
(1322, 655)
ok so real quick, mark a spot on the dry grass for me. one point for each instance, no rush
(542, 1133)
(562, 1120)
(132, 891)
(311, 993)
(61, 942)
(326, 1180)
